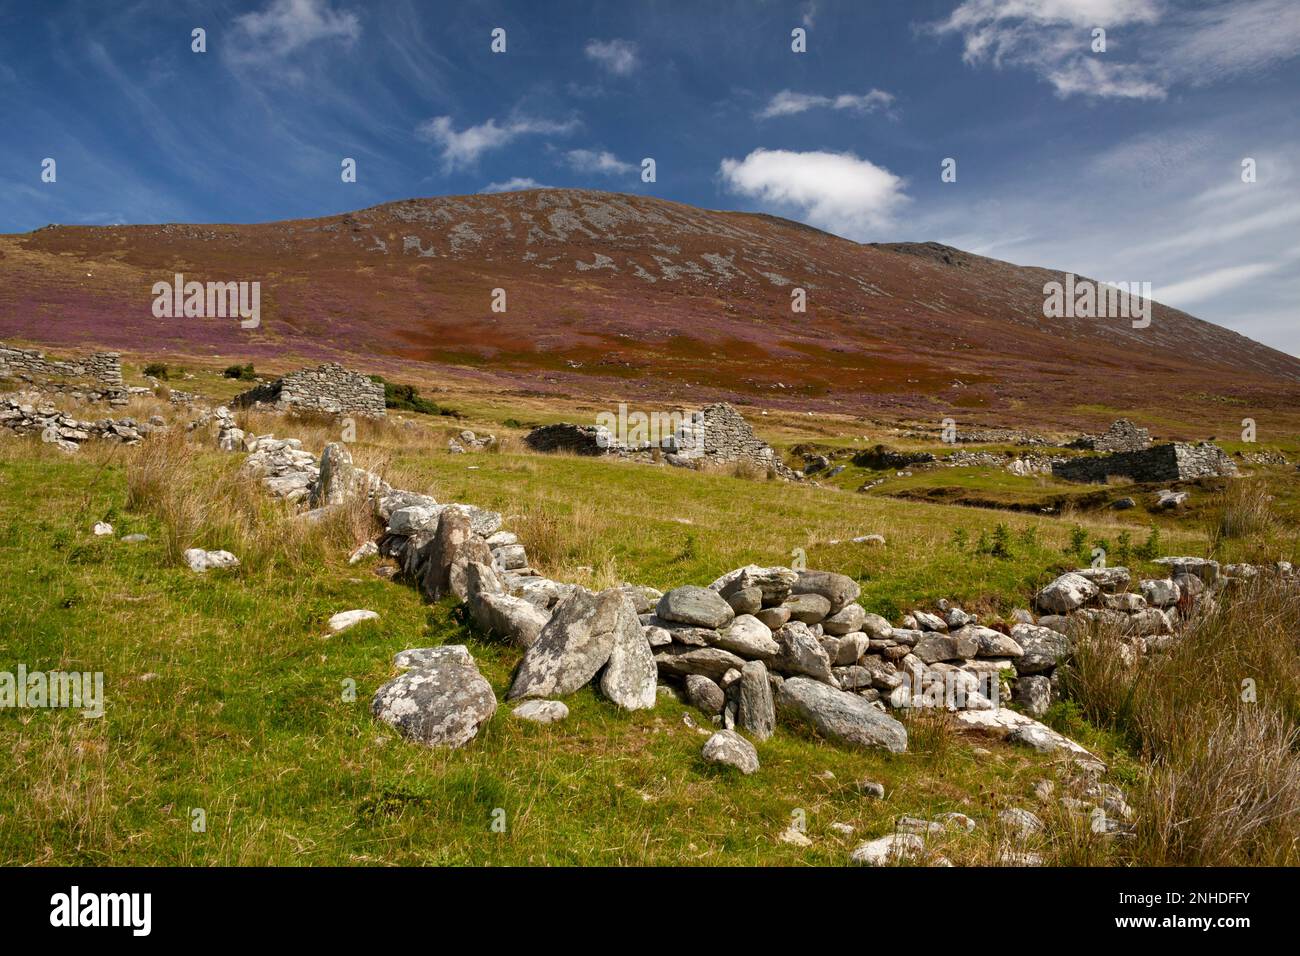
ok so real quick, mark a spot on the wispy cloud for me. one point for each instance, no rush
(287, 26)
(601, 162)
(514, 184)
(788, 103)
(1178, 45)
(462, 149)
(617, 56)
(838, 192)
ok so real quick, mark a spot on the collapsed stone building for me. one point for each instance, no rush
(1122, 435)
(1176, 461)
(94, 378)
(714, 435)
(328, 388)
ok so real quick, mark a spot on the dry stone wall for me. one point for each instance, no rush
(1173, 462)
(96, 377)
(329, 388)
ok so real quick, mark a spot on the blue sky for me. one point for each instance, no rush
(1124, 164)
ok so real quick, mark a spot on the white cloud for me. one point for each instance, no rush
(617, 56)
(1177, 45)
(1207, 286)
(286, 26)
(809, 14)
(601, 162)
(837, 192)
(463, 149)
(514, 184)
(788, 103)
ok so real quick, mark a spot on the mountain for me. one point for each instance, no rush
(613, 294)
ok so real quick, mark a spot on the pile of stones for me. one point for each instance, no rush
(468, 441)
(30, 414)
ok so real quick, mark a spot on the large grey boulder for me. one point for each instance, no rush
(729, 749)
(839, 589)
(774, 583)
(1111, 580)
(846, 620)
(679, 660)
(704, 694)
(802, 653)
(337, 477)
(1160, 592)
(755, 709)
(441, 704)
(841, 716)
(807, 608)
(573, 646)
(631, 676)
(449, 538)
(748, 637)
(990, 643)
(1065, 594)
(1043, 648)
(1034, 694)
(515, 619)
(696, 606)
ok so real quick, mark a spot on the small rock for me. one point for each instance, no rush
(542, 711)
(728, 748)
(346, 619)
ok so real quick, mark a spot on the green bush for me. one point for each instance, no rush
(244, 373)
(406, 398)
(156, 370)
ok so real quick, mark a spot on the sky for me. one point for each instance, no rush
(1124, 163)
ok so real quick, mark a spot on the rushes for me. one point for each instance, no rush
(1215, 720)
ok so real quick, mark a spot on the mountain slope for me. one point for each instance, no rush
(612, 293)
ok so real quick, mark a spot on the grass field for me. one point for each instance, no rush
(224, 695)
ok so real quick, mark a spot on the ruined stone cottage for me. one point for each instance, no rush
(1177, 461)
(96, 377)
(328, 388)
(716, 434)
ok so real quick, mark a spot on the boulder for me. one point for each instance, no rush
(696, 606)
(337, 478)
(1042, 648)
(774, 583)
(839, 589)
(841, 716)
(630, 677)
(876, 627)
(573, 646)
(801, 653)
(512, 618)
(704, 694)
(450, 535)
(747, 636)
(756, 711)
(441, 704)
(1065, 594)
(745, 600)
(773, 617)
(1109, 580)
(888, 850)
(729, 749)
(846, 620)
(989, 643)
(680, 660)
(1034, 694)
(201, 561)
(444, 653)
(807, 608)
(1160, 592)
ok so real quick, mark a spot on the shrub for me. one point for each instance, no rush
(406, 398)
(244, 373)
(156, 370)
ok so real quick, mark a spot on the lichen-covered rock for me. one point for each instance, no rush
(1065, 594)
(728, 748)
(631, 676)
(573, 646)
(802, 653)
(680, 660)
(704, 694)
(542, 711)
(774, 583)
(888, 850)
(1042, 648)
(440, 704)
(201, 561)
(747, 636)
(755, 708)
(841, 716)
(696, 606)
(839, 589)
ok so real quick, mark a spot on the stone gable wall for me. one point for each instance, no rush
(1173, 462)
(327, 388)
(96, 377)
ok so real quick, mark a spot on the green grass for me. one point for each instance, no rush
(223, 692)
